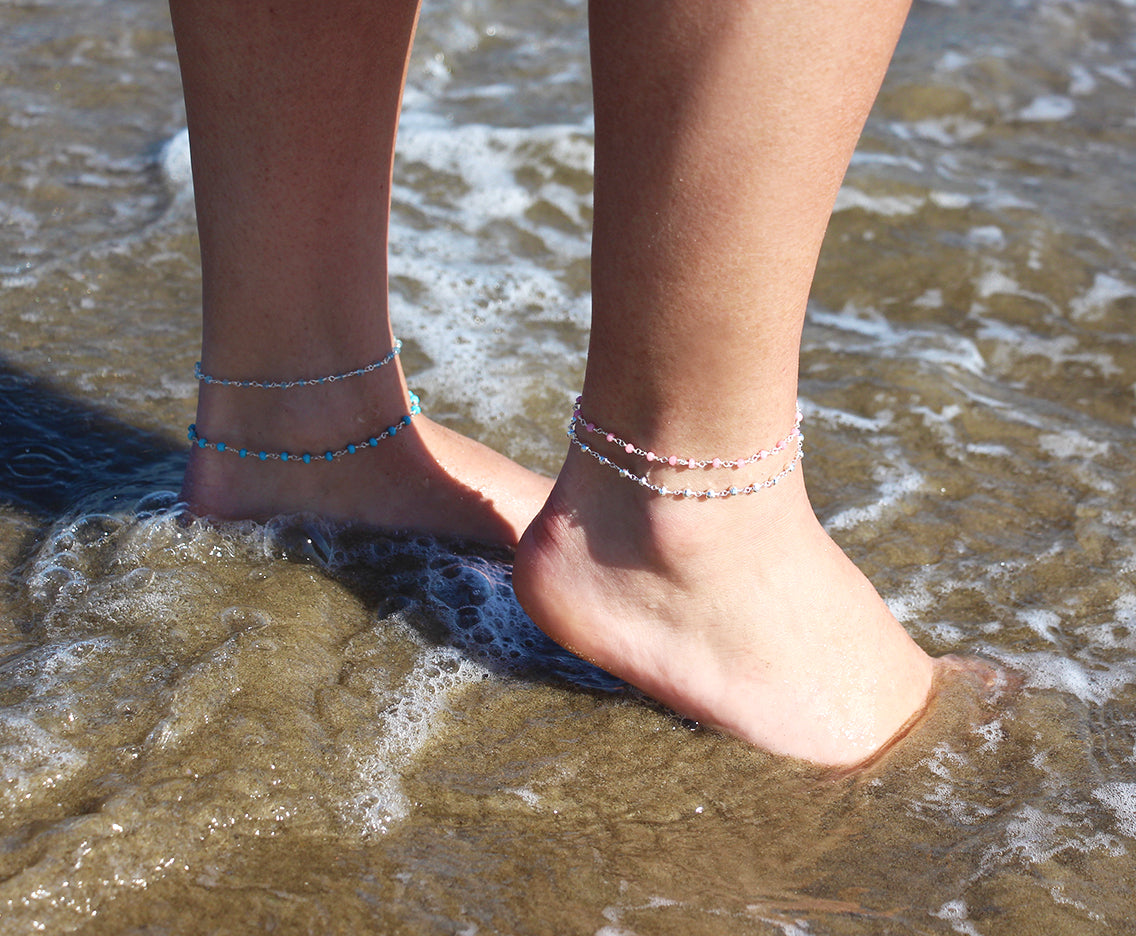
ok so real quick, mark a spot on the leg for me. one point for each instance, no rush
(292, 109)
(723, 131)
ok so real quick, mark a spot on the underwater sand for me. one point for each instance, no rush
(295, 728)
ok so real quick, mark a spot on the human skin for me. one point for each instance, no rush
(292, 109)
(723, 131)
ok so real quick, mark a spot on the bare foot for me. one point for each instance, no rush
(426, 478)
(740, 613)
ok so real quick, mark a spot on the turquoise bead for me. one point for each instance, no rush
(330, 456)
(307, 458)
(220, 446)
(263, 456)
(242, 453)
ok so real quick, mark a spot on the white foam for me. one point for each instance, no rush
(889, 206)
(1043, 622)
(404, 726)
(1094, 683)
(32, 760)
(1047, 108)
(1121, 799)
(1071, 444)
(176, 166)
(894, 482)
(988, 236)
(1105, 290)
(956, 913)
(1081, 81)
(1035, 836)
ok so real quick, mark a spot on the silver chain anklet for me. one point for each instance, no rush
(673, 461)
(307, 457)
(302, 381)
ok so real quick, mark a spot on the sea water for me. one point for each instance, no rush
(301, 728)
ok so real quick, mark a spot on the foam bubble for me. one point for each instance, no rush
(888, 206)
(405, 725)
(1047, 108)
(1121, 799)
(956, 913)
(1094, 683)
(1105, 290)
(33, 761)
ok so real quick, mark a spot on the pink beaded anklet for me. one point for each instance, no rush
(674, 461)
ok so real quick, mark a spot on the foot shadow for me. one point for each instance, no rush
(57, 453)
(450, 592)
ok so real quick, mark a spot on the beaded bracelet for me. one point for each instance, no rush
(673, 461)
(301, 382)
(307, 458)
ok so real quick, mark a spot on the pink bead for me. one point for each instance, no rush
(610, 437)
(672, 461)
(591, 427)
(717, 463)
(650, 456)
(629, 448)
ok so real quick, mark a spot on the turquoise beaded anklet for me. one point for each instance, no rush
(673, 461)
(301, 382)
(307, 458)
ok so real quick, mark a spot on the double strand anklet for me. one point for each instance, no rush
(301, 382)
(307, 458)
(578, 421)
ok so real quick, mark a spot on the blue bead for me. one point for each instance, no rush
(220, 446)
(350, 450)
(372, 441)
(329, 456)
(406, 420)
(192, 433)
(242, 453)
(301, 383)
(392, 430)
(263, 456)
(202, 443)
(307, 458)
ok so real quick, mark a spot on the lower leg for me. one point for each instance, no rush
(723, 131)
(292, 108)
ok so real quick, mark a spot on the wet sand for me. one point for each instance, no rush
(300, 728)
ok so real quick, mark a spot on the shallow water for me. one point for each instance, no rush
(302, 729)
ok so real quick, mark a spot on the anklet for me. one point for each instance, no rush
(672, 461)
(303, 381)
(307, 458)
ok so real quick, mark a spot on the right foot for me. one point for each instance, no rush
(427, 478)
(740, 613)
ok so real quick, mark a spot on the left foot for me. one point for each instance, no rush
(427, 478)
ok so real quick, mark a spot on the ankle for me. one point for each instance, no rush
(312, 420)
